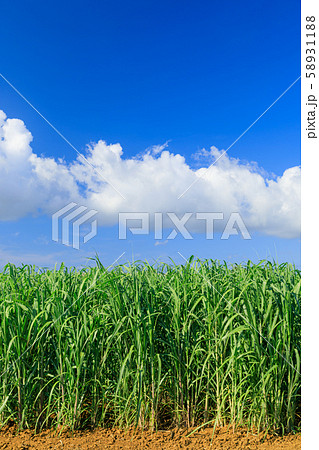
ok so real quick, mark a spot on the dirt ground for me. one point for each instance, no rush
(170, 440)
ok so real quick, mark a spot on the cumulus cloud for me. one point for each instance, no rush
(150, 182)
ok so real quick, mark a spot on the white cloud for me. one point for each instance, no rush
(157, 243)
(151, 182)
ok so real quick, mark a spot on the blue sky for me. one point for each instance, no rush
(141, 73)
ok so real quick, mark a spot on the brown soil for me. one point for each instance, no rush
(172, 439)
